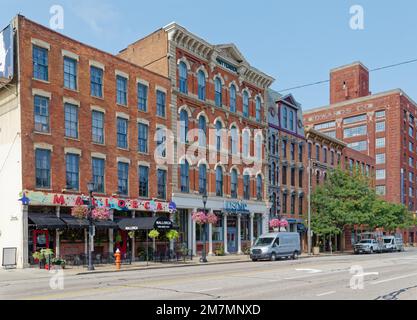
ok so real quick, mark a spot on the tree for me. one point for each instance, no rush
(390, 216)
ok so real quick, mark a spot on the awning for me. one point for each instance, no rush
(146, 223)
(43, 221)
(105, 224)
(74, 223)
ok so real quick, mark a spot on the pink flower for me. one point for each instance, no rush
(100, 214)
(284, 223)
(79, 212)
(211, 218)
(274, 223)
(199, 217)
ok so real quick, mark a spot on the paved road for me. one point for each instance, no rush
(380, 276)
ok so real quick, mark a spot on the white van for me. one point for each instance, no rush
(271, 246)
(392, 243)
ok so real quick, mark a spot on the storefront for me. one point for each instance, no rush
(238, 225)
(51, 225)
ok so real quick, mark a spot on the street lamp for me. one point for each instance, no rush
(204, 258)
(90, 187)
(309, 234)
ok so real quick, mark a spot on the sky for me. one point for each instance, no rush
(295, 41)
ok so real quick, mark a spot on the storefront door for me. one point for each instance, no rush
(232, 240)
(121, 241)
(40, 240)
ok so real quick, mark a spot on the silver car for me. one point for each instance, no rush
(271, 246)
(367, 246)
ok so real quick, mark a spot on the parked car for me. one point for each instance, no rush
(271, 246)
(368, 246)
(392, 243)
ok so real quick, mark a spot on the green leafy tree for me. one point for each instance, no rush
(390, 216)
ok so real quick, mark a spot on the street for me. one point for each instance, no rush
(388, 276)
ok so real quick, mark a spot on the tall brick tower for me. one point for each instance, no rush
(349, 82)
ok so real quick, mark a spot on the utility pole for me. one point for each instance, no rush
(309, 234)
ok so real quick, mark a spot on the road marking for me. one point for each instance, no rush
(396, 278)
(310, 270)
(326, 293)
(207, 290)
(368, 274)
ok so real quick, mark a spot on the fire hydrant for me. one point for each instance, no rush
(118, 257)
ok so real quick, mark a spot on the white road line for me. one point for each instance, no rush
(396, 278)
(207, 290)
(309, 270)
(326, 293)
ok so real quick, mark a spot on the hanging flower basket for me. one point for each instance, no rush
(100, 214)
(199, 217)
(284, 224)
(153, 234)
(172, 235)
(79, 212)
(274, 224)
(212, 218)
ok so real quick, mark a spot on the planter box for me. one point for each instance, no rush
(316, 251)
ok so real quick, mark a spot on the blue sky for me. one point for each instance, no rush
(296, 42)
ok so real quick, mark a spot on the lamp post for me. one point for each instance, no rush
(309, 240)
(90, 187)
(204, 257)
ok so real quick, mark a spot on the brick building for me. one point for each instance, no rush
(70, 114)
(325, 153)
(218, 93)
(381, 125)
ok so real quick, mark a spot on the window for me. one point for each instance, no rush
(354, 119)
(300, 205)
(70, 73)
(284, 175)
(300, 178)
(143, 181)
(284, 117)
(284, 149)
(201, 85)
(96, 82)
(380, 114)
(245, 104)
(332, 158)
(293, 204)
(160, 103)
(71, 120)
(202, 133)
(43, 168)
(300, 153)
(380, 174)
(233, 184)
(380, 158)
(142, 97)
(202, 178)
(259, 187)
(258, 145)
(183, 126)
(218, 135)
(284, 202)
(309, 150)
(232, 98)
(219, 182)
(258, 109)
(41, 114)
(122, 133)
(143, 130)
(162, 180)
(380, 126)
(359, 146)
(245, 149)
(325, 125)
(185, 181)
(292, 151)
(183, 77)
(293, 177)
(72, 171)
(325, 155)
(291, 124)
(331, 134)
(410, 146)
(380, 143)
(98, 174)
(380, 190)
(411, 119)
(411, 177)
(160, 142)
(218, 92)
(355, 131)
(234, 140)
(246, 187)
(40, 63)
(123, 178)
(317, 152)
(411, 131)
(410, 161)
(98, 127)
(272, 175)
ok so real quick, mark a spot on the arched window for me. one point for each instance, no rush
(219, 181)
(273, 205)
(233, 184)
(232, 98)
(218, 135)
(272, 148)
(258, 146)
(183, 77)
(234, 140)
(202, 133)
(273, 179)
(183, 126)
(202, 178)
(258, 109)
(246, 187)
(259, 187)
(245, 104)
(245, 149)
(218, 92)
(185, 178)
(201, 78)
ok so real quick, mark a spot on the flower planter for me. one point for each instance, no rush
(316, 251)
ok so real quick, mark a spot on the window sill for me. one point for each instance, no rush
(99, 98)
(43, 133)
(143, 153)
(72, 139)
(71, 90)
(143, 111)
(43, 189)
(122, 105)
(124, 149)
(42, 81)
(98, 144)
